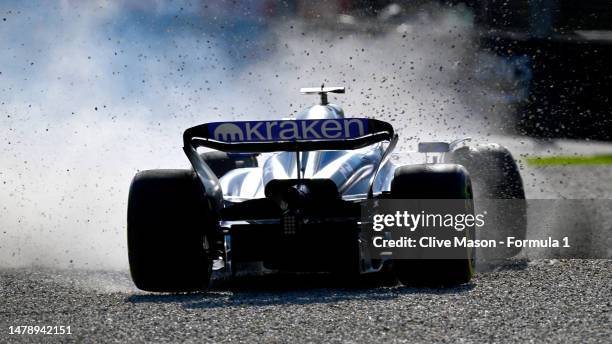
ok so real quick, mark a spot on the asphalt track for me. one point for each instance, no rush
(539, 301)
(520, 300)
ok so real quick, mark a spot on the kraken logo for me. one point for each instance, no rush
(228, 132)
(288, 130)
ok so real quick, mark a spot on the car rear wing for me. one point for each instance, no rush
(282, 135)
(289, 135)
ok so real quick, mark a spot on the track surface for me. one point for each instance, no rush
(539, 301)
(518, 301)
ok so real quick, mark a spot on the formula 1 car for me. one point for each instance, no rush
(287, 193)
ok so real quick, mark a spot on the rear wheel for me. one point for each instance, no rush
(498, 190)
(433, 181)
(167, 221)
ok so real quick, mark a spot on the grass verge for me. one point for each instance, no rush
(570, 160)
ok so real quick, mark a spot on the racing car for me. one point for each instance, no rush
(286, 194)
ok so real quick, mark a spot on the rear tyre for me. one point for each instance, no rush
(167, 220)
(493, 171)
(495, 176)
(433, 181)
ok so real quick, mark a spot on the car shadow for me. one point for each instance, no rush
(509, 264)
(293, 289)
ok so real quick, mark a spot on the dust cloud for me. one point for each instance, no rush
(92, 92)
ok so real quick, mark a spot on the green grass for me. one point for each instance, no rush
(570, 160)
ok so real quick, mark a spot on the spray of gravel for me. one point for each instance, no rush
(92, 92)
